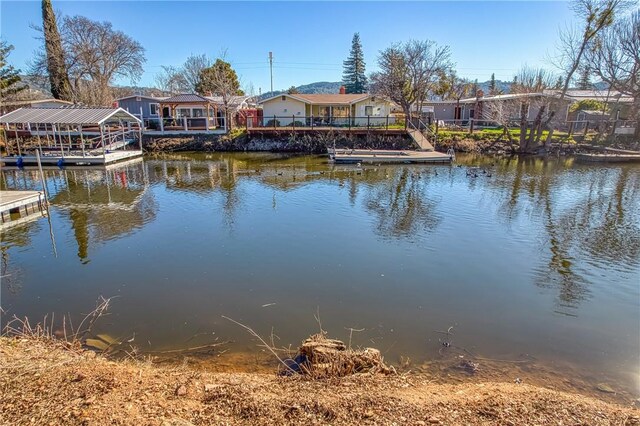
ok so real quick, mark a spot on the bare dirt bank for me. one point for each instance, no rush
(43, 383)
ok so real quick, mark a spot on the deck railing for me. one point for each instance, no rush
(312, 122)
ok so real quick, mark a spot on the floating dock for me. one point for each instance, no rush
(21, 206)
(389, 157)
(70, 160)
(608, 158)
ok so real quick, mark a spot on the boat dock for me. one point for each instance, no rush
(388, 156)
(72, 159)
(21, 206)
(70, 136)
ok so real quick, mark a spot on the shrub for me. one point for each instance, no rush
(272, 123)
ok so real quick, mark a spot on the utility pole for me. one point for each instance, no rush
(271, 69)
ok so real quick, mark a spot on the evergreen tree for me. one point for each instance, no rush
(584, 79)
(559, 83)
(56, 66)
(492, 84)
(353, 75)
(9, 76)
(292, 90)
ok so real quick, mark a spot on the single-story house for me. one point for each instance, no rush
(326, 110)
(6, 107)
(192, 107)
(488, 108)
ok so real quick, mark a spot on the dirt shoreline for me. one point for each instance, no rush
(41, 382)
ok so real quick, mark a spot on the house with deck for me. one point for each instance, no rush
(326, 110)
(187, 112)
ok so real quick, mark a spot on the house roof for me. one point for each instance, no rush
(155, 98)
(70, 115)
(600, 95)
(186, 98)
(323, 98)
(36, 102)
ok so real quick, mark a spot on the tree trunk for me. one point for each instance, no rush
(523, 128)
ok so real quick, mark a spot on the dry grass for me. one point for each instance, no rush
(43, 382)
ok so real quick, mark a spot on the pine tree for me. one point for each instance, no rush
(584, 79)
(353, 75)
(56, 66)
(492, 84)
(9, 76)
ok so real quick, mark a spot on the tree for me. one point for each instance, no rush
(353, 76)
(492, 84)
(409, 72)
(596, 16)
(530, 83)
(95, 56)
(615, 59)
(56, 65)
(292, 90)
(584, 78)
(9, 76)
(171, 80)
(220, 80)
(192, 68)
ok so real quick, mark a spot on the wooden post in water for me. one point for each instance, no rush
(42, 180)
(81, 140)
(17, 140)
(104, 151)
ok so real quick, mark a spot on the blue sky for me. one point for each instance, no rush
(310, 40)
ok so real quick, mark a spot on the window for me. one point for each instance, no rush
(284, 98)
(198, 112)
(341, 111)
(153, 109)
(184, 112)
(368, 110)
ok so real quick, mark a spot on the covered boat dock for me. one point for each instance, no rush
(70, 136)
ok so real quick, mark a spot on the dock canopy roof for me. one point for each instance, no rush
(71, 115)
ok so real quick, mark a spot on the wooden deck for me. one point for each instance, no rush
(75, 159)
(389, 157)
(20, 206)
(323, 129)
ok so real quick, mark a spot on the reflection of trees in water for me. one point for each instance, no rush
(105, 205)
(602, 223)
(401, 205)
(17, 236)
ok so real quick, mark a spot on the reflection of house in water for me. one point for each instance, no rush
(104, 205)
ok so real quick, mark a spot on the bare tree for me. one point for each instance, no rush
(192, 68)
(615, 59)
(596, 16)
(531, 83)
(171, 80)
(95, 56)
(409, 72)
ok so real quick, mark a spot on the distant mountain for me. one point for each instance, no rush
(311, 88)
(501, 86)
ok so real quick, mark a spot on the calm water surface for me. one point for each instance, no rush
(536, 258)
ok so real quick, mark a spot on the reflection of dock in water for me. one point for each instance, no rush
(17, 207)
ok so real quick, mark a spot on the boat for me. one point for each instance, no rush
(370, 156)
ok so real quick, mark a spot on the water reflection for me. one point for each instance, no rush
(398, 250)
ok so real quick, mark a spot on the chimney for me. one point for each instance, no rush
(343, 90)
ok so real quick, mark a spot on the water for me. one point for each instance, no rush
(539, 260)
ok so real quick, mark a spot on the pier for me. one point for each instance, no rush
(21, 206)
